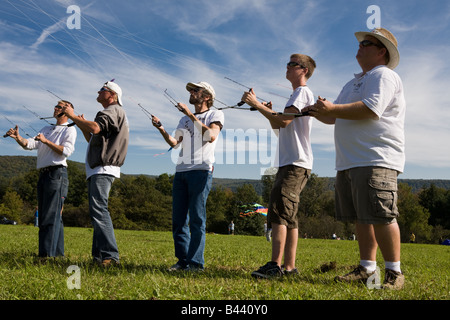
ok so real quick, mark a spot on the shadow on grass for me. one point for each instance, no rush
(27, 259)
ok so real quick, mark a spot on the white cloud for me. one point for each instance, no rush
(148, 47)
(58, 26)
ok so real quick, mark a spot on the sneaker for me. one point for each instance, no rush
(359, 274)
(269, 270)
(177, 267)
(289, 273)
(393, 280)
(194, 268)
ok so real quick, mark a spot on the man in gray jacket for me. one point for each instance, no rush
(108, 137)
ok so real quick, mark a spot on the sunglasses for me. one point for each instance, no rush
(368, 43)
(58, 107)
(294, 64)
(104, 89)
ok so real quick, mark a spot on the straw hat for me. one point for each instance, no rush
(387, 39)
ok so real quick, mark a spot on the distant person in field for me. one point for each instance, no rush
(368, 118)
(107, 138)
(294, 160)
(54, 144)
(231, 228)
(197, 135)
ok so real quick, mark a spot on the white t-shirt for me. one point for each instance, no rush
(60, 135)
(294, 144)
(197, 154)
(381, 142)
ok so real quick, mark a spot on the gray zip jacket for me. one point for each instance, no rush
(109, 147)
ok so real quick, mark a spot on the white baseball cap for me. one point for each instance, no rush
(204, 85)
(115, 87)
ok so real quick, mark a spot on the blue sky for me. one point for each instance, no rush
(149, 46)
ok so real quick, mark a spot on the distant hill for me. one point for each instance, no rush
(11, 166)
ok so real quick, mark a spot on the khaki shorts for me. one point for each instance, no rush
(285, 195)
(367, 195)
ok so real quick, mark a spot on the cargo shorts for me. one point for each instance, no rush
(285, 195)
(367, 195)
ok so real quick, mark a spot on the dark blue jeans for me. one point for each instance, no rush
(190, 192)
(104, 244)
(52, 190)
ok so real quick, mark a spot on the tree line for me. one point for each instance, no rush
(140, 202)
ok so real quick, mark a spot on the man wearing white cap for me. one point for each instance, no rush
(369, 116)
(197, 134)
(108, 137)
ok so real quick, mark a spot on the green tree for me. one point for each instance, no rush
(250, 225)
(164, 184)
(136, 199)
(316, 199)
(413, 217)
(217, 206)
(11, 206)
(437, 201)
(26, 186)
(77, 193)
(267, 181)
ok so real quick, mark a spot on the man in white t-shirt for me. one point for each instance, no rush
(197, 135)
(369, 116)
(294, 160)
(54, 144)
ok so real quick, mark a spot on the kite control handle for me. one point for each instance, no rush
(242, 103)
(157, 124)
(301, 114)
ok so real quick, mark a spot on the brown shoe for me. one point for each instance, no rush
(359, 274)
(108, 263)
(393, 280)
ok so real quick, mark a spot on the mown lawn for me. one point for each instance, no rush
(146, 255)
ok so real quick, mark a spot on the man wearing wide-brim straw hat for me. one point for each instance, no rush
(369, 116)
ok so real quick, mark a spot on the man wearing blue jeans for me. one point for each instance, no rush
(197, 134)
(54, 144)
(108, 137)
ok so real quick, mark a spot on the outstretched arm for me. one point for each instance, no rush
(171, 141)
(328, 112)
(276, 121)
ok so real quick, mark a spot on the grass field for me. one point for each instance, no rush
(145, 256)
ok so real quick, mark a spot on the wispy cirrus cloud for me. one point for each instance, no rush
(150, 46)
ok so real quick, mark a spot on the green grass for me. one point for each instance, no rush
(145, 256)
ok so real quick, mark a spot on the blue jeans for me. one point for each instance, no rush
(52, 190)
(190, 192)
(104, 244)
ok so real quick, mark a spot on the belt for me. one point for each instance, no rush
(51, 168)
